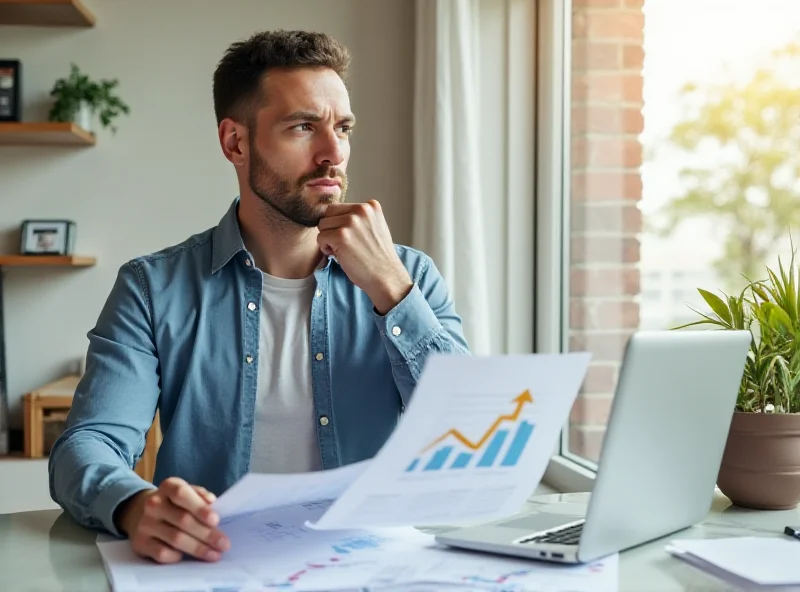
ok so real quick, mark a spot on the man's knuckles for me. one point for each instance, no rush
(163, 554)
(362, 210)
(186, 521)
(153, 503)
(174, 486)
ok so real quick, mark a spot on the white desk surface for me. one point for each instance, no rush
(45, 551)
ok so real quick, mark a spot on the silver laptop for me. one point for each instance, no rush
(661, 455)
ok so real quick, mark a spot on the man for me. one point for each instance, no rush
(287, 338)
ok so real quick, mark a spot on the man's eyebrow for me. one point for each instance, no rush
(311, 116)
(302, 116)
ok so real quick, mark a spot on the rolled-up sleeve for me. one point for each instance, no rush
(91, 465)
(423, 323)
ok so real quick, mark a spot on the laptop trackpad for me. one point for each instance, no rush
(537, 522)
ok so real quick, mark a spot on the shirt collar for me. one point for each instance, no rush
(227, 240)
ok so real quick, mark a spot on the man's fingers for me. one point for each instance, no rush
(176, 540)
(332, 241)
(361, 209)
(339, 209)
(156, 550)
(184, 496)
(205, 493)
(188, 523)
(329, 223)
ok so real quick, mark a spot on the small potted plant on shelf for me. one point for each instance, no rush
(761, 464)
(79, 99)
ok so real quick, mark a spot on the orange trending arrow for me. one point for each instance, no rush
(520, 400)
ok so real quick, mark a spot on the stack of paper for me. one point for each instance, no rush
(275, 550)
(473, 445)
(751, 563)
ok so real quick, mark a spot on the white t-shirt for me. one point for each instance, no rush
(285, 437)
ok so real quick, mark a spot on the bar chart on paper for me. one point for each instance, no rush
(500, 445)
(472, 445)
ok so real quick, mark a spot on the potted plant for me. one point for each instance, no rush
(761, 463)
(79, 99)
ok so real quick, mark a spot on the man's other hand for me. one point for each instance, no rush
(172, 521)
(357, 234)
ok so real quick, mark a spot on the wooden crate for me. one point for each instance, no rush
(46, 409)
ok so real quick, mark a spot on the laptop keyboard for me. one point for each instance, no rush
(563, 536)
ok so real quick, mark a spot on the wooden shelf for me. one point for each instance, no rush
(44, 133)
(63, 387)
(46, 261)
(46, 13)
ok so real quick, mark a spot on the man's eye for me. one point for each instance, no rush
(303, 127)
(346, 129)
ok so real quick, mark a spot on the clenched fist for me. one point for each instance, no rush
(173, 520)
(358, 236)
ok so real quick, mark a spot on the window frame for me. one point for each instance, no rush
(566, 472)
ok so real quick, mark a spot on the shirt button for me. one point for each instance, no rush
(249, 359)
(319, 293)
(247, 262)
(396, 330)
(319, 357)
(251, 306)
(323, 420)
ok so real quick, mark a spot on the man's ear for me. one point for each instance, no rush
(233, 141)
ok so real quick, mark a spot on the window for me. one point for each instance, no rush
(676, 170)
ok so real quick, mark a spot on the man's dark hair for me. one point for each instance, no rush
(240, 72)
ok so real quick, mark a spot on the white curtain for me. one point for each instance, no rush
(448, 205)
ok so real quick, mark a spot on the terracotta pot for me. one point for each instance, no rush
(761, 465)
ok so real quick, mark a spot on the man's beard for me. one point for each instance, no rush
(278, 193)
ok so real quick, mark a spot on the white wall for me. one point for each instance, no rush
(163, 176)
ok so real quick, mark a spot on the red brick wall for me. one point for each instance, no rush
(607, 59)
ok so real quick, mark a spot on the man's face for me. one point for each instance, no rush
(300, 143)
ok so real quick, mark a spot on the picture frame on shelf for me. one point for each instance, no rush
(47, 237)
(10, 90)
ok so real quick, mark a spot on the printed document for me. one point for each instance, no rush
(275, 550)
(473, 445)
(749, 562)
(444, 566)
(259, 491)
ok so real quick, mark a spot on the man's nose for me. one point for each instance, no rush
(330, 150)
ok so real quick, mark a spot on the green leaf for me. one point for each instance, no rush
(759, 291)
(696, 323)
(717, 305)
(779, 319)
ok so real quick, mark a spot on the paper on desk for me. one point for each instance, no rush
(259, 491)
(270, 550)
(274, 550)
(473, 444)
(442, 566)
(744, 560)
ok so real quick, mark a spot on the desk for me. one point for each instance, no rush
(45, 551)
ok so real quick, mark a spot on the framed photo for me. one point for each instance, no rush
(10, 90)
(47, 237)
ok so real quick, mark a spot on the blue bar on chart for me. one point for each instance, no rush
(413, 465)
(487, 460)
(521, 438)
(461, 461)
(438, 459)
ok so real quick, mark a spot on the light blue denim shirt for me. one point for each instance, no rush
(180, 332)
